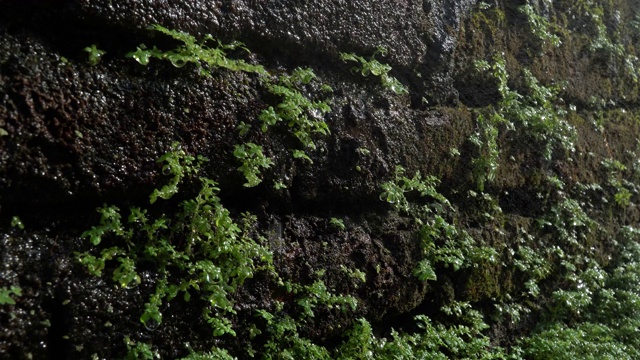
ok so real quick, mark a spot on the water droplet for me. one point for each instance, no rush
(151, 325)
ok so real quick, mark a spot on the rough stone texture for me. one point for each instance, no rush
(36, 78)
(79, 136)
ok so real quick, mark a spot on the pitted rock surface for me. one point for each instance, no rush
(78, 136)
(82, 135)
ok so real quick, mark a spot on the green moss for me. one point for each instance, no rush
(488, 282)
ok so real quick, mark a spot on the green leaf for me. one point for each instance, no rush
(337, 223)
(141, 55)
(425, 271)
(301, 154)
(94, 54)
(374, 67)
(16, 222)
(253, 160)
(5, 295)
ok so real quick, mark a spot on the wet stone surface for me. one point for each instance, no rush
(79, 136)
